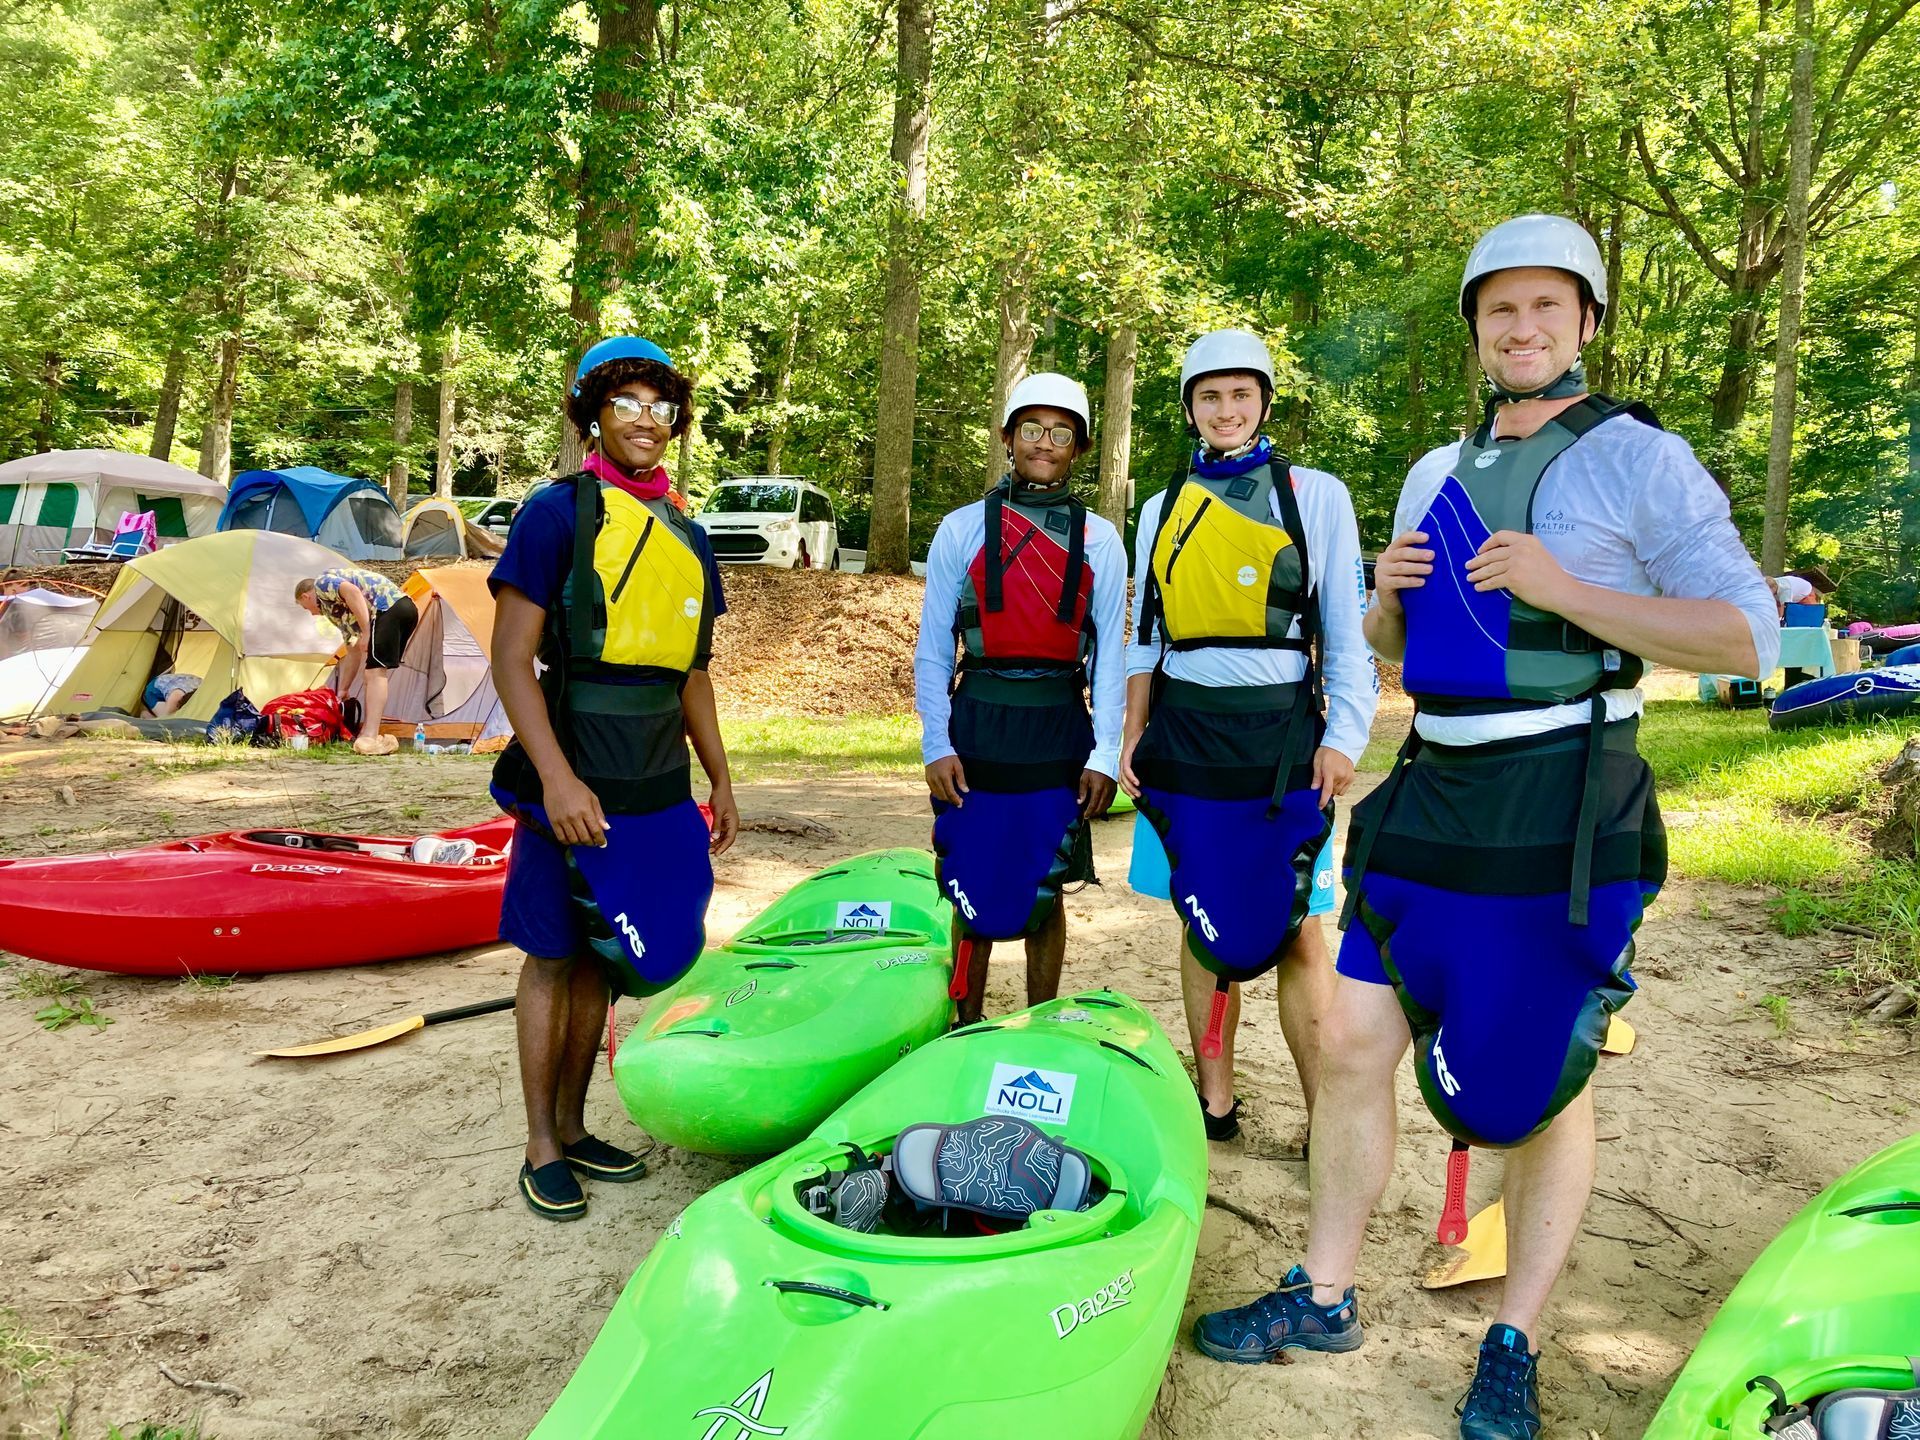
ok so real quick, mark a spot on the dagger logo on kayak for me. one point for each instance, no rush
(634, 942)
(1104, 1301)
(744, 1412)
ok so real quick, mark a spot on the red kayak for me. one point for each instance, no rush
(253, 902)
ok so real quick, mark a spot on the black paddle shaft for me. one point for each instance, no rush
(466, 1012)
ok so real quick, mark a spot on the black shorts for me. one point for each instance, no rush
(392, 629)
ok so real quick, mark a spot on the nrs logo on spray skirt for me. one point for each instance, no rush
(634, 942)
(1108, 1298)
(863, 915)
(1044, 1096)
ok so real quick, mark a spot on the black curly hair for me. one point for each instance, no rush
(583, 409)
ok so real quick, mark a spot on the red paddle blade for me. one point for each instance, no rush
(1211, 1046)
(962, 969)
(1453, 1215)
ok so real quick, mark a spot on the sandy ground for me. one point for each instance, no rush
(339, 1241)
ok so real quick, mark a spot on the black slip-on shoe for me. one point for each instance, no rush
(1220, 1127)
(551, 1192)
(597, 1160)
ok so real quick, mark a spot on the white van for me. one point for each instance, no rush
(771, 520)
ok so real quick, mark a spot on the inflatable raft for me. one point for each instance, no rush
(1889, 693)
(251, 902)
(756, 1315)
(1833, 1304)
(834, 982)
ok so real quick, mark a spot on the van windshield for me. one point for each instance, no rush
(738, 499)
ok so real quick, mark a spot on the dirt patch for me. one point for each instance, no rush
(339, 1241)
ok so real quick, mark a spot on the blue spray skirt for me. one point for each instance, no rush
(1242, 876)
(638, 904)
(1507, 1001)
(1002, 857)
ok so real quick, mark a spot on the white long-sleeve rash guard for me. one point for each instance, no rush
(1340, 584)
(1630, 508)
(936, 655)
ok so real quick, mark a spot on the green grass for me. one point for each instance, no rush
(44, 984)
(26, 1361)
(147, 1430)
(767, 747)
(207, 982)
(1792, 810)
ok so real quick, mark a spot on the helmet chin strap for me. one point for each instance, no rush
(1573, 382)
(1027, 494)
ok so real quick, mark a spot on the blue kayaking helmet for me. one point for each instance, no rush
(617, 347)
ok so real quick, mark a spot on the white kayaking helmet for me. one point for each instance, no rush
(1055, 391)
(1225, 352)
(1552, 241)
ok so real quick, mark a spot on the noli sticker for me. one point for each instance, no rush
(1104, 1301)
(863, 915)
(1038, 1095)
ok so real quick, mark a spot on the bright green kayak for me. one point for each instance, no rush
(834, 982)
(753, 1316)
(1833, 1302)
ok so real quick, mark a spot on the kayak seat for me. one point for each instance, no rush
(997, 1166)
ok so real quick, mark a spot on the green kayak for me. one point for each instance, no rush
(1833, 1303)
(830, 985)
(755, 1316)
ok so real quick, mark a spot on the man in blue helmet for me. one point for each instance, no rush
(614, 592)
(1498, 874)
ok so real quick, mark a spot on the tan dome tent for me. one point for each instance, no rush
(436, 530)
(41, 634)
(68, 498)
(220, 607)
(445, 679)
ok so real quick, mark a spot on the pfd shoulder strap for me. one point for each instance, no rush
(587, 507)
(995, 599)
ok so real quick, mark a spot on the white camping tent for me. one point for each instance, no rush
(445, 679)
(40, 642)
(53, 502)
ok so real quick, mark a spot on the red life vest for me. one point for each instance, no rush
(1029, 590)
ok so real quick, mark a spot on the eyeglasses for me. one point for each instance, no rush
(1063, 436)
(627, 410)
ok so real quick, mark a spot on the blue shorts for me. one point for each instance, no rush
(638, 904)
(161, 686)
(1148, 874)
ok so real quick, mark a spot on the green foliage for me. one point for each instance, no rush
(341, 184)
(77, 1011)
(26, 1361)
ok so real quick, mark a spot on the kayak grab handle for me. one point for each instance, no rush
(831, 940)
(771, 965)
(829, 1292)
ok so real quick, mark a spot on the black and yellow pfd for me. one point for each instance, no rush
(635, 616)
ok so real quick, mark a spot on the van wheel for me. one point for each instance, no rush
(805, 562)
(836, 561)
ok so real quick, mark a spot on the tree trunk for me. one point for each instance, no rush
(402, 434)
(1909, 493)
(683, 466)
(1470, 374)
(782, 390)
(53, 365)
(216, 438)
(1793, 285)
(166, 418)
(887, 551)
(449, 399)
(1570, 152)
(1734, 392)
(1616, 240)
(1116, 425)
(1010, 362)
(603, 228)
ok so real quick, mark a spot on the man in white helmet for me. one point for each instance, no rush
(1026, 600)
(1498, 874)
(1250, 695)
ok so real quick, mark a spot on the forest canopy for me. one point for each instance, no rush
(375, 235)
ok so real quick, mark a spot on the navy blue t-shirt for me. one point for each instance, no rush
(539, 554)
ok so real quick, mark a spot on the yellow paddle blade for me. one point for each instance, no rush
(1620, 1038)
(1481, 1256)
(362, 1041)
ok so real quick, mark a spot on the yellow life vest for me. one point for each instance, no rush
(651, 606)
(1224, 572)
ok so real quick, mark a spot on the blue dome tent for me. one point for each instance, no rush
(352, 517)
